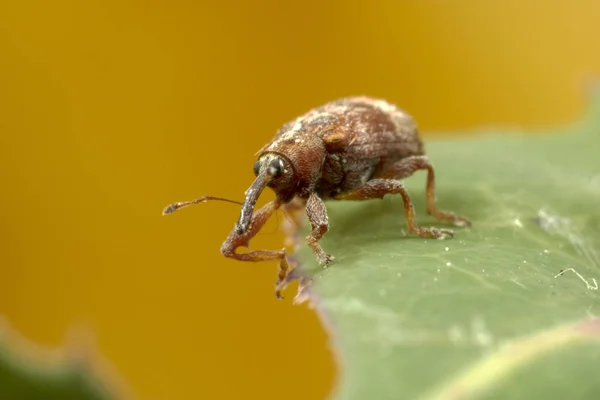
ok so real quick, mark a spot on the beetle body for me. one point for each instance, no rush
(355, 148)
(338, 147)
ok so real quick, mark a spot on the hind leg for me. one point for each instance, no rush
(378, 188)
(405, 168)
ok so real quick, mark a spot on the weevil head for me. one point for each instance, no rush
(271, 170)
(290, 166)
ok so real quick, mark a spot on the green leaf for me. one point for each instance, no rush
(487, 314)
(29, 372)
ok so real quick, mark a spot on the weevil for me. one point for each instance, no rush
(353, 148)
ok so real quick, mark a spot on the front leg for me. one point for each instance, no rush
(235, 241)
(317, 215)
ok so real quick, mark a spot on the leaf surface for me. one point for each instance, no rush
(507, 308)
(31, 372)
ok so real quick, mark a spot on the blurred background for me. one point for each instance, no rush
(110, 110)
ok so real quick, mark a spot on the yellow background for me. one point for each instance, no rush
(109, 110)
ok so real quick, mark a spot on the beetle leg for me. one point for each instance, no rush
(235, 240)
(317, 215)
(293, 222)
(405, 168)
(377, 188)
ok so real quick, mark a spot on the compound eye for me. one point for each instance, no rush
(256, 168)
(276, 168)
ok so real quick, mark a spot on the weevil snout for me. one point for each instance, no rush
(267, 169)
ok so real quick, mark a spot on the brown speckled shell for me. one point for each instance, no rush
(341, 145)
